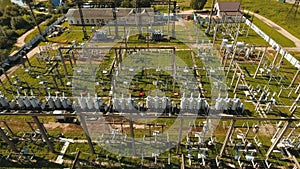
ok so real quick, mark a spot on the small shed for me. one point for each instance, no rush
(228, 9)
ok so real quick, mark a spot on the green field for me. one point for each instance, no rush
(4, 3)
(273, 10)
(274, 34)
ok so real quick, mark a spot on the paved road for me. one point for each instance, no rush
(280, 30)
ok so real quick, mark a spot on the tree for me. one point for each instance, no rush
(144, 3)
(198, 4)
(18, 22)
(127, 4)
(28, 2)
(4, 20)
(49, 6)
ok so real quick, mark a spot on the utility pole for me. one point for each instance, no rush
(43, 132)
(294, 79)
(4, 137)
(169, 16)
(79, 5)
(228, 135)
(114, 10)
(86, 132)
(138, 13)
(260, 62)
(296, 6)
(210, 15)
(278, 138)
(28, 2)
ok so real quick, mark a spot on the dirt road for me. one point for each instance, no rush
(21, 39)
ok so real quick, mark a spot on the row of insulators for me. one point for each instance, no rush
(25, 102)
(160, 103)
(229, 104)
(31, 102)
(90, 103)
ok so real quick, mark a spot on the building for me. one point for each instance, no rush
(228, 9)
(101, 16)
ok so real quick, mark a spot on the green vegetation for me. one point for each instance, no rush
(14, 21)
(198, 4)
(4, 3)
(273, 33)
(253, 38)
(296, 55)
(273, 10)
(38, 72)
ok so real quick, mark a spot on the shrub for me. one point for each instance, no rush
(51, 20)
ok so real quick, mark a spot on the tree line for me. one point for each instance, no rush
(14, 21)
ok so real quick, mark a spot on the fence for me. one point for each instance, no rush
(274, 44)
(28, 46)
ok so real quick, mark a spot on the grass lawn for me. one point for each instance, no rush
(273, 10)
(35, 32)
(273, 33)
(182, 4)
(296, 55)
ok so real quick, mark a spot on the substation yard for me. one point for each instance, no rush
(188, 101)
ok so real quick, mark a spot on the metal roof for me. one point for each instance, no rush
(229, 6)
(106, 12)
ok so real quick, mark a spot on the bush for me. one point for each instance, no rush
(15, 10)
(12, 34)
(51, 20)
(3, 54)
(198, 4)
(41, 17)
(18, 23)
(4, 20)
(5, 42)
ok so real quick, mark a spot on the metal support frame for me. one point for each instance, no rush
(180, 135)
(210, 16)
(182, 162)
(63, 61)
(281, 59)
(8, 141)
(279, 137)
(260, 62)
(228, 135)
(237, 82)
(232, 80)
(75, 160)
(234, 48)
(296, 6)
(86, 132)
(5, 74)
(132, 135)
(8, 128)
(79, 4)
(43, 132)
(114, 10)
(295, 77)
(275, 58)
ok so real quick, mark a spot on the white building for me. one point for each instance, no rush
(101, 16)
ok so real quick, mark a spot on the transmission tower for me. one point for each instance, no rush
(79, 5)
(295, 7)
